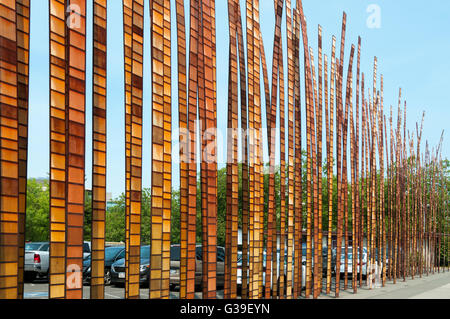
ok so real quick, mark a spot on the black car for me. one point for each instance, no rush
(325, 260)
(112, 254)
(118, 268)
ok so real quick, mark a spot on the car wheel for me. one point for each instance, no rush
(108, 277)
(30, 276)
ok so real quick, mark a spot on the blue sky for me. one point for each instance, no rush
(412, 46)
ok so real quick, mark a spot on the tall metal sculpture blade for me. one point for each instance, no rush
(271, 111)
(349, 105)
(398, 213)
(269, 217)
(314, 114)
(354, 133)
(290, 164)
(245, 168)
(58, 144)
(329, 119)
(298, 200)
(251, 88)
(258, 162)
(184, 142)
(340, 149)
(192, 166)
(382, 233)
(231, 243)
(9, 153)
(99, 147)
(127, 6)
(207, 110)
(319, 163)
(309, 104)
(161, 150)
(134, 222)
(23, 57)
(282, 278)
(75, 150)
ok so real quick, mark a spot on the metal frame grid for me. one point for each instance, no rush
(409, 225)
(99, 143)
(134, 244)
(127, 6)
(23, 56)
(58, 145)
(9, 153)
(75, 142)
(161, 151)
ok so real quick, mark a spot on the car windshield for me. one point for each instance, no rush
(220, 254)
(175, 253)
(145, 252)
(32, 246)
(111, 252)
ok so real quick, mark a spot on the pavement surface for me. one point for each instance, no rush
(433, 286)
(39, 290)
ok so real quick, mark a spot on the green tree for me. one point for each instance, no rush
(38, 207)
(87, 214)
(115, 220)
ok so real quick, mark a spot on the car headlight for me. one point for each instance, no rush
(143, 267)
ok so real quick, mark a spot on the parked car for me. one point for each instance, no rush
(175, 266)
(239, 270)
(37, 259)
(118, 268)
(43, 245)
(359, 268)
(325, 260)
(112, 254)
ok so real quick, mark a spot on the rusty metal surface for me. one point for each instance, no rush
(207, 115)
(329, 118)
(9, 152)
(58, 145)
(192, 167)
(161, 151)
(290, 164)
(251, 87)
(298, 200)
(127, 8)
(184, 142)
(389, 200)
(75, 150)
(99, 146)
(134, 240)
(244, 140)
(23, 58)
(231, 227)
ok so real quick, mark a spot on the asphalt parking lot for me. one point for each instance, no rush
(436, 286)
(39, 290)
